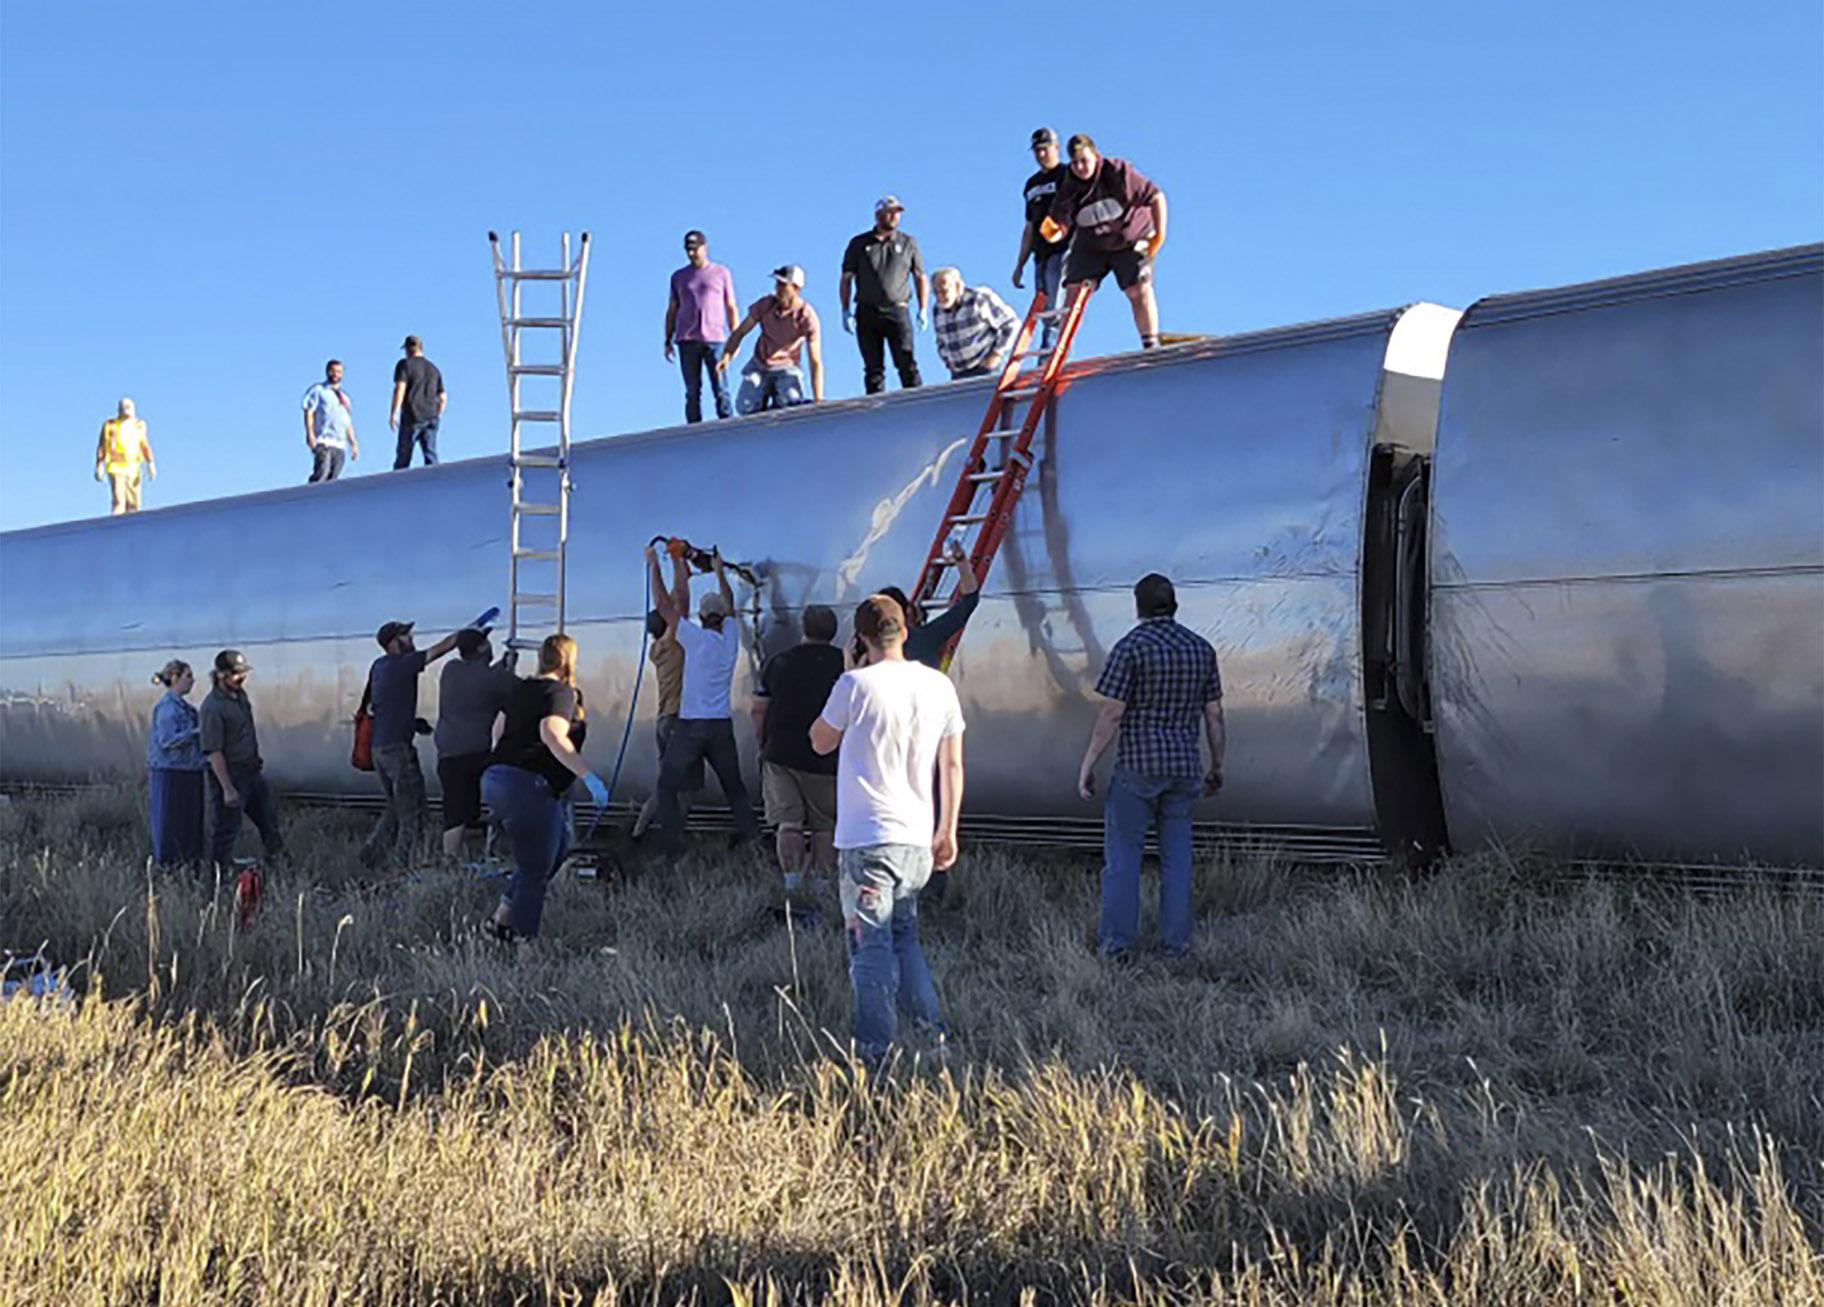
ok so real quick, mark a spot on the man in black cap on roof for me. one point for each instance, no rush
(237, 780)
(418, 401)
(1047, 255)
(882, 267)
(392, 697)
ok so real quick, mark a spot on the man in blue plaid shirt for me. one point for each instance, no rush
(1161, 688)
(975, 328)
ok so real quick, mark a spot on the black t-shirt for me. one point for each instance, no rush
(423, 386)
(1041, 188)
(520, 746)
(883, 269)
(394, 685)
(796, 685)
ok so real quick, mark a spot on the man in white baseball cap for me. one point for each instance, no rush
(704, 731)
(882, 266)
(788, 329)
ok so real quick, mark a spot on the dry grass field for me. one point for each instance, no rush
(1488, 1084)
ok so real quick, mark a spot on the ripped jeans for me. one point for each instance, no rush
(879, 885)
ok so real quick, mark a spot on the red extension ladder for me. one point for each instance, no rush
(1037, 387)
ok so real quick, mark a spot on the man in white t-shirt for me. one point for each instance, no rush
(896, 723)
(704, 730)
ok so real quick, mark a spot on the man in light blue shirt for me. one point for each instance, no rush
(329, 425)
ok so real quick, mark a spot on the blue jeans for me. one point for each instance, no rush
(326, 462)
(887, 968)
(1048, 276)
(256, 803)
(538, 826)
(176, 811)
(769, 388)
(1134, 803)
(695, 357)
(423, 434)
(692, 742)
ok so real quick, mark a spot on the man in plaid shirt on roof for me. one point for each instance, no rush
(975, 328)
(1159, 685)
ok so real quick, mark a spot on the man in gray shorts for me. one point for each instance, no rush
(797, 783)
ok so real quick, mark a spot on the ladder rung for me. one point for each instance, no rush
(561, 323)
(541, 600)
(966, 519)
(538, 555)
(537, 460)
(981, 477)
(1049, 315)
(520, 643)
(537, 415)
(538, 510)
(538, 274)
(1045, 353)
(535, 369)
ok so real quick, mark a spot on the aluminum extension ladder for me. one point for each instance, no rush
(1037, 387)
(536, 574)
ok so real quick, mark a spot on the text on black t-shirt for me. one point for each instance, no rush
(1040, 188)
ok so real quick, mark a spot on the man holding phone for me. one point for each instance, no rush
(894, 724)
(1159, 682)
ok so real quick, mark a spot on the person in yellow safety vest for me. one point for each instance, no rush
(122, 448)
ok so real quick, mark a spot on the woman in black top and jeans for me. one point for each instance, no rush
(538, 757)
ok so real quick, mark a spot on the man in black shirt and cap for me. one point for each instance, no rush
(237, 773)
(418, 401)
(881, 267)
(1047, 255)
(392, 689)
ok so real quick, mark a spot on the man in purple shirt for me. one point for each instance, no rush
(698, 318)
(1116, 218)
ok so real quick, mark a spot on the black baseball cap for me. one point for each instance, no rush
(694, 237)
(412, 342)
(230, 661)
(1044, 136)
(471, 641)
(392, 631)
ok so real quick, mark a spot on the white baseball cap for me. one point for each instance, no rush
(792, 273)
(713, 605)
(886, 202)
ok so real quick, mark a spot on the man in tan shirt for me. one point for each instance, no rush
(667, 658)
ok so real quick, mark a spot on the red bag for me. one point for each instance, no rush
(361, 756)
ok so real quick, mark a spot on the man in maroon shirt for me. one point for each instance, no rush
(1117, 218)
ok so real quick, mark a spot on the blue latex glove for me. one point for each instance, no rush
(598, 789)
(924, 320)
(848, 321)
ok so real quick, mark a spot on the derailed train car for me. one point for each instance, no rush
(1363, 595)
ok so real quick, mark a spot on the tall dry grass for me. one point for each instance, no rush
(1486, 1085)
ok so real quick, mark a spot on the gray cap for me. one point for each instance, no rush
(1044, 136)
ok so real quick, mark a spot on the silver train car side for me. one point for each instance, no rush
(1425, 629)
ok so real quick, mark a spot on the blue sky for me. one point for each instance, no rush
(200, 202)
